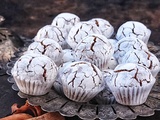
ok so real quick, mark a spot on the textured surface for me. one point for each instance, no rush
(27, 17)
(54, 102)
(32, 15)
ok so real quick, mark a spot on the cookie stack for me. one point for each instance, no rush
(74, 56)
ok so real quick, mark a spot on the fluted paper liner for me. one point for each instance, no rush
(132, 95)
(80, 95)
(33, 87)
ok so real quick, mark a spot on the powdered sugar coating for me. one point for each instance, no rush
(107, 74)
(58, 82)
(68, 55)
(34, 73)
(105, 27)
(65, 21)
(131, 83)
(80, 31)
(55, 33)
(113, 42)
(81, 81)
(143, 57)
(127, 44)
(112, 63)
(134, 29)
(48, 47)
(131, 74)
(106, 96)
(95, 49)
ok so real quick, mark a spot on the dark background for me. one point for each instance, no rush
(27, 17)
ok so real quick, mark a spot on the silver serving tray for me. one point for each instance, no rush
(52, 101)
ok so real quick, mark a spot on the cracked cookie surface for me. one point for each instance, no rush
(34, 74)
(81, 81)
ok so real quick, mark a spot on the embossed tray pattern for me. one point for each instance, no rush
(52, 101)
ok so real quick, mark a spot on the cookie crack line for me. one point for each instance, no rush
(124, 70)
(44, 73)
(72, 81)
(92, 45)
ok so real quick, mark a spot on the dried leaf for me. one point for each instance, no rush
(14, 107)
(20, 116)
(37, 111)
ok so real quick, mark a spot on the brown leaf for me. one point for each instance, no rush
(20, 116)
(14, 107)
(37, 111)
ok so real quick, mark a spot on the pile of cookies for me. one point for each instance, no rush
(82, 58)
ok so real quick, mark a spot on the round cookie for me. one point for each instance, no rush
(34, 74)
(131, 83)
(81, 81)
